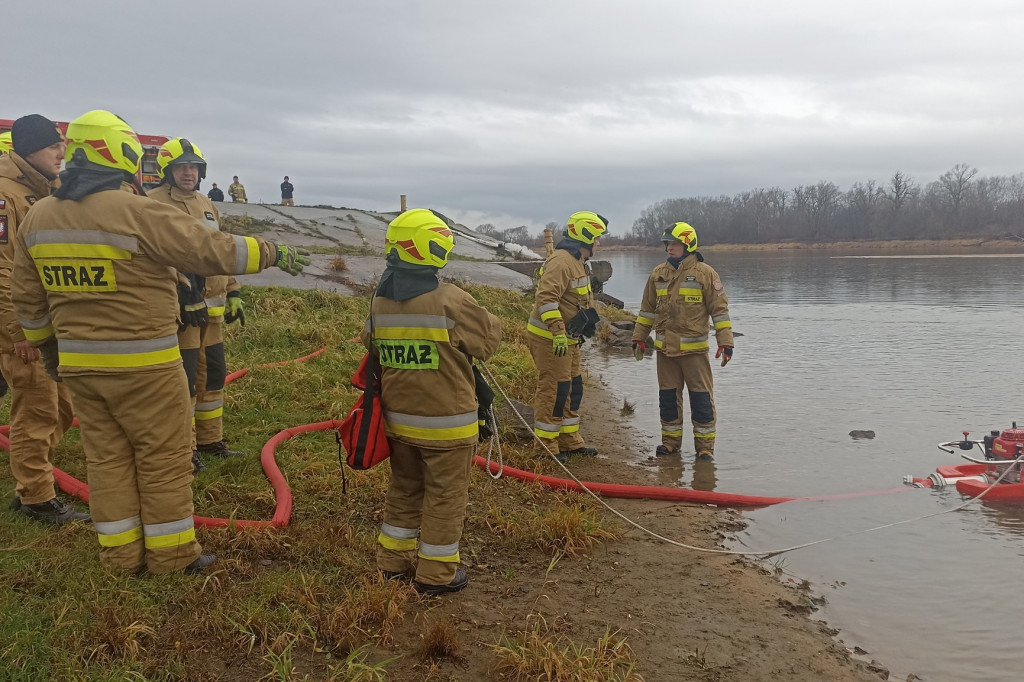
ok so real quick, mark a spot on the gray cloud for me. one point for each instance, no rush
(522, 112)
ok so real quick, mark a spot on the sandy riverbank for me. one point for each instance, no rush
(688, 615)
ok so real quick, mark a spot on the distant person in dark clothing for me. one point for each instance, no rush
(286, 193)
(215, 193)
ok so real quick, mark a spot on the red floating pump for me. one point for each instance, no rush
(1006, 445)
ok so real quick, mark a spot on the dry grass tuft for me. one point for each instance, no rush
(535, 656)
(440, 643)
(628, 408)
(338, 264)
(114, 640)
(370, 611)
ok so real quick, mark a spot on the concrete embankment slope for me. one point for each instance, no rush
(357, 237)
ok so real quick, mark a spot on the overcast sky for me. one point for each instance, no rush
(523, 112)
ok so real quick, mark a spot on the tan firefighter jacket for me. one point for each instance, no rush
(237, 191)
(563, 289)
(99, 274)
(677, 304)
(200, 207)
(425, 346)
(21, 185)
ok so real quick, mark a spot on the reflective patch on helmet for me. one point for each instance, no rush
(402, 354)
(77, 275)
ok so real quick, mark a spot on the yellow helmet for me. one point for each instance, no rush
(5, 142)
(179, 150)
(421, 237)
(100, 138)
(681, 232)
(586, 226)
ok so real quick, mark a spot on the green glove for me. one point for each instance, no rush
(291, 259)
(234, 309)
(560, 344)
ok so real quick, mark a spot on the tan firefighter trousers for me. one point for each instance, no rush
(135, 432)
(40, 415)
(556, 406)
(692, 372)
(426, 499)
(202, 353)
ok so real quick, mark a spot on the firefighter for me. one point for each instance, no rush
(681, 295)
(201, 301)
(5, 142)
(237, 191)
(425, 335)
(94, 289)
(40, 408)
(563, 293)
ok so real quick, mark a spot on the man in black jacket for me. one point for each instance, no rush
(286, 193)
(215, 193)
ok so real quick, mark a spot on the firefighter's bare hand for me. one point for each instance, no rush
(291, 259)
(559, 344)
(724, 352)
(639, 349)
(26, 352)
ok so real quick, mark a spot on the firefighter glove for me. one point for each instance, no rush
(724, 352)
(291, 259)
(234, 309)
(192, 305)
(51, 359)
(560, 344)
(639, 348)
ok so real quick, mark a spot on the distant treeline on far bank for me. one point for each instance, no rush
(958, 205)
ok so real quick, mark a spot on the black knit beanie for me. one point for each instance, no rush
(31, 133)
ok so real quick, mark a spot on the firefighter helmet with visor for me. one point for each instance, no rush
(681, 232)
(586, 227)
(5, 142)
(100, 138)
(179, 151)
(420, 237)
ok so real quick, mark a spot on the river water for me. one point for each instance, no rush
(916, 348)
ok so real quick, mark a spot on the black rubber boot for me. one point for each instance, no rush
(705, 456)
(15, 503)
(197, 464)
(202, 561)
(663, 451)
(459, 582)
(218, 449)
(584, 451)
(52, 511)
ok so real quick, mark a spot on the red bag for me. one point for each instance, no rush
(362, 432)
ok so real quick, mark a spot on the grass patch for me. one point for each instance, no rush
(245, 225)
(281, 603)
(536, 656)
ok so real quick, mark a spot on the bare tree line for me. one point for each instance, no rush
(957, 205)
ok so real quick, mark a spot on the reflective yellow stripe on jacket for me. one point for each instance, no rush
(80, 244)
(144, 353)
(409, 326)
(37, 330)
(454, 427)
(215, 306)
(247, 256)
(538, 327)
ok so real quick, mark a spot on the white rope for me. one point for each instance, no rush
(494, 440)
(765, 554)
